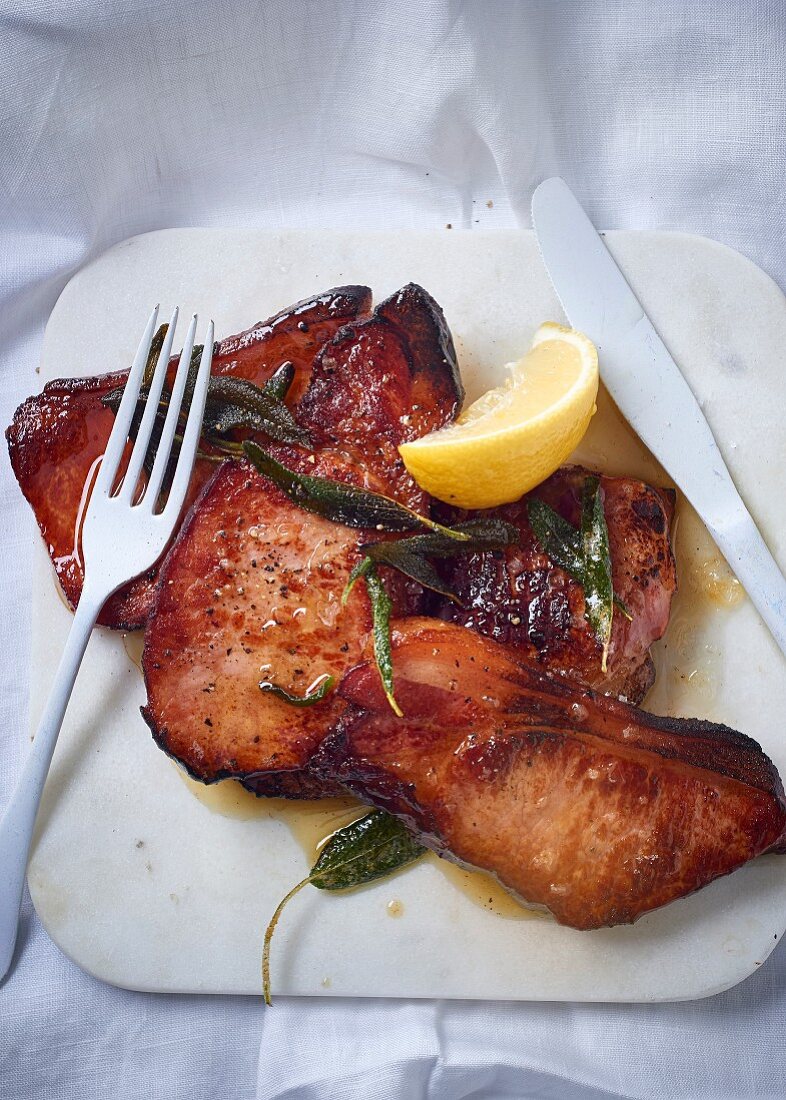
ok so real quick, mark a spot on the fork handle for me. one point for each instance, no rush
(16, 827)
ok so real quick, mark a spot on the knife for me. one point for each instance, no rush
(650, 391)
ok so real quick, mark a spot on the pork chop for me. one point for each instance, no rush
(251, 590)
(576, 801)
(57, 437)
(520, 597)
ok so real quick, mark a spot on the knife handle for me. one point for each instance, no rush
(739, 540)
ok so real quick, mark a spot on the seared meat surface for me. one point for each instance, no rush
(251, 590)
(513, 754)
(576, 801)
(519, 596)
(57, 437)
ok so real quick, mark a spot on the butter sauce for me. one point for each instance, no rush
(313, 823)
(485, 891)
(133, 644)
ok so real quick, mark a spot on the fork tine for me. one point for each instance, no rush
(158, 472)
(136, 461)
(185, 460)
(119, 434)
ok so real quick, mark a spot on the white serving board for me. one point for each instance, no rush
(144, 886)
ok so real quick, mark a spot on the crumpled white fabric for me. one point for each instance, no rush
(121, 116)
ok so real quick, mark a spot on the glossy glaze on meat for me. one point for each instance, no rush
(518, 596)
(574, 800)
(251, 589)
(57, 437)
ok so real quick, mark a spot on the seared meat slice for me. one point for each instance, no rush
(576, 801)
(57, 437)
(251, 589)
(519, 596)
(382, 382)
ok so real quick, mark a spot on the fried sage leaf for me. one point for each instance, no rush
(372, 847)
(236, 403)
(342, 503)
(152, 356)
(277, 385)
(355, 507)
(316, 695)
(410, 556)
(598, 588)
(232, 404)
(397, 555)
(380, 618)
(584, 555)
(560, 539)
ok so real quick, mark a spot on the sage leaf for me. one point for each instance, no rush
(358, 571)
(307, 700)
(584, 555)
(278, 384)
(477, 535)
(236, 403)
(413, 565)
(152, 356)
(380, 619)
(342, 503)
(231, 404)
(598, 589)
(560, 539)
(410, 555)
(372, 847)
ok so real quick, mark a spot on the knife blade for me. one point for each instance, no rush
(651, 392)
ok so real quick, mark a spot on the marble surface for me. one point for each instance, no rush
(142, 885)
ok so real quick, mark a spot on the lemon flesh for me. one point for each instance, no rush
(515, 436)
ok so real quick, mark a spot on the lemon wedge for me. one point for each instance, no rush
(513, 437)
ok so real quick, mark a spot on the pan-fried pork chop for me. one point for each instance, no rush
(57, 437)
(519, 596)
(251, 589)
(576, 801)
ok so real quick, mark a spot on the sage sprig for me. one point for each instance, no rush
(342, 503)
(354, 507)
(410, 556)
(372, 847)
(584, 555)
(232, 404)
(236, 404)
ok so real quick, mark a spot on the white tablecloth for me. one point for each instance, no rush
(120, 116)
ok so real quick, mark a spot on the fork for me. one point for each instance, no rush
(123, 534)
